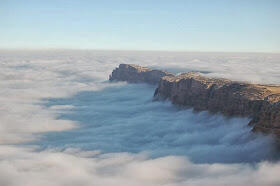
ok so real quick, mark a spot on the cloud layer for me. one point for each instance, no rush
(23, 166)
(46, 91)
(124, 118)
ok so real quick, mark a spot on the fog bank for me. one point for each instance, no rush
(63, 124)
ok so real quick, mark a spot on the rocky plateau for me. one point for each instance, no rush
(259, 102)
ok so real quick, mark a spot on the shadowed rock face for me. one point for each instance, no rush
(137, 74)
(259, 102)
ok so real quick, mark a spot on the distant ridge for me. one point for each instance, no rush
(216, 95)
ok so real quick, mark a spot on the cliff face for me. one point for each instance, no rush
(259, 102)
(137, 74)
(268, 119)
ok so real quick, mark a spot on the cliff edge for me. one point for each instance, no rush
(231, 98)
(137, 74)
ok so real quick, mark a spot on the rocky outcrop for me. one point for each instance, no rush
(137, 74)
(259, 102)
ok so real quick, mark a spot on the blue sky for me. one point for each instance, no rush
(188, 25)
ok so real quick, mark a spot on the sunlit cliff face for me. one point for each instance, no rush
(62, 123)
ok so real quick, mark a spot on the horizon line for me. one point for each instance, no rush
(133, 50)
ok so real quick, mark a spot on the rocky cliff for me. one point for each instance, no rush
(137, 74)
(259, 102)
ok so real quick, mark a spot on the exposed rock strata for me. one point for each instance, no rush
(259, 102)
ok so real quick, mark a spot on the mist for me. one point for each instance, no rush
(63, 123)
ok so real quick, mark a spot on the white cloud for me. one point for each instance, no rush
(28, 78)
(22, 166)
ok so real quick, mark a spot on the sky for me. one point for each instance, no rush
(174, 25)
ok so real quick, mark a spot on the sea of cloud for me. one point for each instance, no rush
(62, 123)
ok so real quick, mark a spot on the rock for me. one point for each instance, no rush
(268, 119)
(259, 102)
(137, 74)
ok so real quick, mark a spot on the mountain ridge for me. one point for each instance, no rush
(216, 95)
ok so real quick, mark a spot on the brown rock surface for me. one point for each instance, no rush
(137, 74)
(259, 102)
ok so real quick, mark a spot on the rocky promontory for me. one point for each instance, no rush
(138, 74)
(216, 95)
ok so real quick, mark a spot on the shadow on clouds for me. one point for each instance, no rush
(124, 118)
